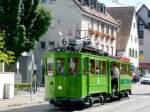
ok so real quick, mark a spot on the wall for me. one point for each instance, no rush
(133, 43)
(146, 46)
(88, 22)
(6, 78)
(66, 18)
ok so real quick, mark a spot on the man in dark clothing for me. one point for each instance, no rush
(115, 76)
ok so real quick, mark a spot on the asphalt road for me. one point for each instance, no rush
(138, 102)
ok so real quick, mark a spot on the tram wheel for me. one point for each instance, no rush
(102, 100)
(90, 102)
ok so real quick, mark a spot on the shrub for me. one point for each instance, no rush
(23, 86)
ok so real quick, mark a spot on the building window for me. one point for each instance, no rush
(92, 23)
(148, 13)
(42, 45)
(102, 28)
(141, 34)
(135, 54)
(107, 48)
(141, 27)
(54, 21)
(131, 37)
(107, 29)
(97, 26)
(141, 41)
(112, 31)
(130, 52)
(148, 24)
(51, 45)
(134, 25)
(102, 47)
(135, 39)
(112, 49)
(141, 53)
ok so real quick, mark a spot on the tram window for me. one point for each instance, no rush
(123, 69)
(98, 67)
(50, 62)
(73, 65)
(104, 68)
(85, 66)
(129, 70)
(92, 67)
(60, 66)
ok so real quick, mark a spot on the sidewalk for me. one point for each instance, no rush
(23, 99)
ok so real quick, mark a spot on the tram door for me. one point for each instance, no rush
(74, 77)
(85, 77)
(61, 76)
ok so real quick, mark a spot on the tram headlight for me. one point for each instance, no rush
(60, 87)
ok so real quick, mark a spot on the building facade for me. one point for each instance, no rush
(77, 19)
(127, 41)
(143, 15)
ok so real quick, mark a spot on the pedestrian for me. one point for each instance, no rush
(115, 76)
(34, 82)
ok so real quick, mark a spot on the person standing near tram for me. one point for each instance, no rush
(115, 76)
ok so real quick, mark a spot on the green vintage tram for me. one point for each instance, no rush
(76, 77)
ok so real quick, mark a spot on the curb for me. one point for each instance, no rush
(17, 105)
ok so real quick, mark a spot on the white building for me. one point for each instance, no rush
(73, 18)
(143, 15)
(81, 19)
(127, 41)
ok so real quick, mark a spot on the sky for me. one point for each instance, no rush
(136, 3)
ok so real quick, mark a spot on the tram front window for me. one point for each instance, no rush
(123, 69)
(73, 65)
(60, 66)
(50, 62)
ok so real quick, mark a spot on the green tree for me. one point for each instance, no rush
(24, 22)
(5, 56)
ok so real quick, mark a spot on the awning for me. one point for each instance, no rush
(144, 65)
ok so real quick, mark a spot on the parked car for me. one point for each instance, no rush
(145, 79)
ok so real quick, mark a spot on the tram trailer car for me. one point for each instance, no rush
(73, 77)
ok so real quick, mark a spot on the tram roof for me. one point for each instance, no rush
(111, 59)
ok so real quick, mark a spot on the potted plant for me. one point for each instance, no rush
(107, 36)
(112, 38)
(97, 33)
(91, 32)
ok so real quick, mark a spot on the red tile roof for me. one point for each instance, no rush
(125, 16)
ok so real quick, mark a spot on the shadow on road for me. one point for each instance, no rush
(41, 108)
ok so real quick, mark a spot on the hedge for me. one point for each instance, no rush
(23, 86)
